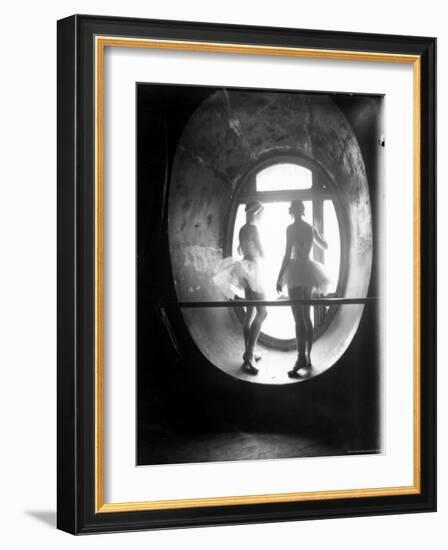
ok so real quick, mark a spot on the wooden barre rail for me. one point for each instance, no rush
(311, 301)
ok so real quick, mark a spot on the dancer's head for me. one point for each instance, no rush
(253, 211)
(297, 209)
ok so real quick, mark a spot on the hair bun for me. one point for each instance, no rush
(252, 207)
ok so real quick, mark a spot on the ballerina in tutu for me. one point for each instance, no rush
(246, 275)
(302, 275)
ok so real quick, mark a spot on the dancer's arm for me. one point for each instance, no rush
(285, 261)
(319, 240)
(257, 241)
(241, 237)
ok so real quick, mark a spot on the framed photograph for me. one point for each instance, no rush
(246, 274)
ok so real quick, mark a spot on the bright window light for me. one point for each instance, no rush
(284, 177)
(279, 322)
(332, 236)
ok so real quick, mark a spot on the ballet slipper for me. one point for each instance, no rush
(248, 365)
(249, 369)
(300, 364)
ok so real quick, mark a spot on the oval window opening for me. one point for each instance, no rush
(213, 178)
(278, 328)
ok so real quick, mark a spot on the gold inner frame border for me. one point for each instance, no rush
(100, 44)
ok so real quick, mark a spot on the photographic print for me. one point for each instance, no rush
(259, 262)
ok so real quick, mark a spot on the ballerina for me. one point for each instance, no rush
(247, 275)
(302, 275)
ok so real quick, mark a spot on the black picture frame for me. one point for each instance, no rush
(77, 495)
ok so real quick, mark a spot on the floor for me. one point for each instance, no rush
(272, 368)
(177, 449)
(221, 340)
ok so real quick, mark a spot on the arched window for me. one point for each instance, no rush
(276, 185)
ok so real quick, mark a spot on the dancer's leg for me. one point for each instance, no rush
(298, 312)
(255, 327)
(248, 318)
(309, 325)
(252, 332)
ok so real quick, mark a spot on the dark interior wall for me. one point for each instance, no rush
(177, 386)
(366, 118)
(226, 137)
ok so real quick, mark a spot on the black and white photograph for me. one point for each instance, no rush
(259, 261)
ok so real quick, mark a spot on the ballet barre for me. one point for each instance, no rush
(276, 303)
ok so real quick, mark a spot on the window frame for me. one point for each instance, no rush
(323, 187)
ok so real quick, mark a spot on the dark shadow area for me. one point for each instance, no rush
(190, 411)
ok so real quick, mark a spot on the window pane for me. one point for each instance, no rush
(332, 236)
(284, 177)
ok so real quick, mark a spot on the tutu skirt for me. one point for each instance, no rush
(306, 273)
(233, 277)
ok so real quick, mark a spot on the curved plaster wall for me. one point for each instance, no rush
(227, 136)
